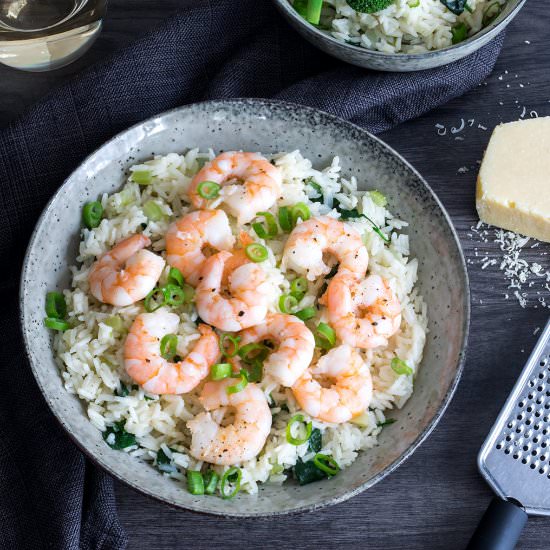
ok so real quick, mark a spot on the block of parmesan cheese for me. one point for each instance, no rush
(513, 186)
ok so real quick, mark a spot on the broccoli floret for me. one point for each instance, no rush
(369, 6)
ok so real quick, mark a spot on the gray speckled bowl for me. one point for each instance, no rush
(397, 62)
(269, 127)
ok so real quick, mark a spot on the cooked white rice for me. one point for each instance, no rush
(90, 354)
(409, 26)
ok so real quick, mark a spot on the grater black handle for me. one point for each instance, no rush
(499, 528)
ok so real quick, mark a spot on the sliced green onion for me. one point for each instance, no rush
(285, 220)
(154, 300)
(378, 198)
(326, 463)
(250, 353)
(169, 347)
(306, 313)
(301, 7)
(270, 230)
(173, 295)
(313, 12)
(256, 372)
(298, 419)
(239, 386)
(226, 350)
(175, 277)
(188, 293)
(211, 479)
(153, 211)
(287, 303)
(115, 322)
(325, 337)
(300, 211)
(400, 367)
(143, 177)
(459, 33)
(56, 324)
(208, 189)
(55, 305)
(233, 476)
(256, 252)
(127, 196)
(298, 287)
(413, 3)
(195, 483)
(219, 371)
(363, 420)
(92, 214)
(491, 13)
(312, 183)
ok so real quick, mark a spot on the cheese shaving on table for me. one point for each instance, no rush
(523, 262)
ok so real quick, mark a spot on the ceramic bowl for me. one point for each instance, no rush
(269, 127)
(397, 62)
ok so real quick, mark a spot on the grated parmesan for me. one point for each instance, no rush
(524, 264)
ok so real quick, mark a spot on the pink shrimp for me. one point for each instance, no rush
(295, 346)
(253, 183)
(363, 314)
(311, 239)
(336, 389)
(126, 273)
(242, 304)
(242, 439)
(187, 238)
(145, 365)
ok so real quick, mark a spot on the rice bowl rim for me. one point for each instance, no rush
(489, 32)
(100, 461)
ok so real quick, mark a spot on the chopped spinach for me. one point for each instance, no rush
(307, 472)
(456, 6)
(312, 183)
(315, 440)
(123, 391)
(386, 422)
(354, 214)
(117, 437)
(164, 464)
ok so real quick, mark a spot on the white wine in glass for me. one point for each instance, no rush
(40, 35)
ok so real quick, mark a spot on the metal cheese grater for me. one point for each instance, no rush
(515, 458)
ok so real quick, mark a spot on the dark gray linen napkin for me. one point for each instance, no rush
(50, 495)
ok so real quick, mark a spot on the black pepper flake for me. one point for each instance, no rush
(241, 313)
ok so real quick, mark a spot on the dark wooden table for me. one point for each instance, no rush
(436, 498)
